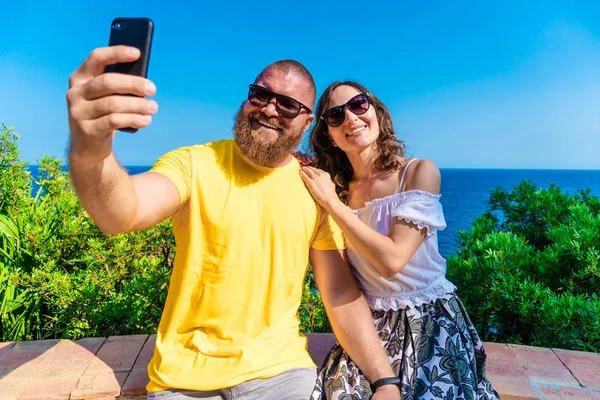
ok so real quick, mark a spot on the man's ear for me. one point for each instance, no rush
(309, 121)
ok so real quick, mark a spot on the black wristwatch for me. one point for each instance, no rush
(386, 381)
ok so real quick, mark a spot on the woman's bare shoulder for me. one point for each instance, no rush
(423, 175)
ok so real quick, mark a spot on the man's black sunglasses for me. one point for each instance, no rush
(286, 106)
(359, 105)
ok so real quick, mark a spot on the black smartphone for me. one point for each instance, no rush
(134, 32)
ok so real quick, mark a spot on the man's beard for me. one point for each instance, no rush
(259, 152)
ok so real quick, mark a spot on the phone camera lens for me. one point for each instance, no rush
(119, 26)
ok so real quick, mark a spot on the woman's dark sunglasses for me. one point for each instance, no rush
(359, 105)
(286, 106)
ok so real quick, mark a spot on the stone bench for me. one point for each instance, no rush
(115, 367)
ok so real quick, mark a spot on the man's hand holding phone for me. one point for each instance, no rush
(99, 104)
(106, 93)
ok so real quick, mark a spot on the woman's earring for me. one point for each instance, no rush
(332, 141)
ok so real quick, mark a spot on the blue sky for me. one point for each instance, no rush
(470, 85)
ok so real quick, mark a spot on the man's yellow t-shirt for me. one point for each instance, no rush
(243, 240)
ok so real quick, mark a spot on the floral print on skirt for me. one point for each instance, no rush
(433, 347)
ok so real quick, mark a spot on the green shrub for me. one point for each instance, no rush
(527, 270)
(61, 277)
(313, 317)
(531, 276)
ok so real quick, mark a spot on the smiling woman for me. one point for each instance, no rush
(389, 210)
(374, 115)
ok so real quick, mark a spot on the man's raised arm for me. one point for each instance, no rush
(98, 106)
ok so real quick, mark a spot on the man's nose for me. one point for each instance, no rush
(270, 109)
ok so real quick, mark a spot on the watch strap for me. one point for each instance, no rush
(386, 381)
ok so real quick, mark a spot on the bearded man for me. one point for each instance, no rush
(245, 228)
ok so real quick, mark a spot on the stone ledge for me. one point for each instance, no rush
(115, 367)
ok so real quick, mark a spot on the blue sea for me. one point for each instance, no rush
(465, 191)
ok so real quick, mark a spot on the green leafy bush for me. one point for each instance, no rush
(531, 274)
(527, 270)
(313, 317)
(61, 277)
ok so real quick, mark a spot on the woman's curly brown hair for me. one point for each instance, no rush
(333, 159)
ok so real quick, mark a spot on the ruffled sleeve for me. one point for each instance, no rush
(422, 209)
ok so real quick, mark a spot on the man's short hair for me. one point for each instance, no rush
(294, 67)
